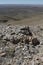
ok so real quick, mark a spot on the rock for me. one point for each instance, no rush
(15, 40)
(35, 41)
(30, 57)
(12, 33)
(26, 31)
(1, 36)
(26, 41)
(7, 37)
(2, 54)
(30, 39)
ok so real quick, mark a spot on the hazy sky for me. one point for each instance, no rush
(21, 1)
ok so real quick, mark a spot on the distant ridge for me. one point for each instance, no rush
(32, 5)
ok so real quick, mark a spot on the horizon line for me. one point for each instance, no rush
(20, 4)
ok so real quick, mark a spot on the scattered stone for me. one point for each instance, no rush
(20, 45)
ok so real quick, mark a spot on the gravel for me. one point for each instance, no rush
(21, 45)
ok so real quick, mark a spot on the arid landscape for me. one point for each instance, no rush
(21, 14)
(21, 34)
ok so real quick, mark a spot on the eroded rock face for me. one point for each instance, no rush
(21, 45)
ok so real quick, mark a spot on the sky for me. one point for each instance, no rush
(21, 1)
